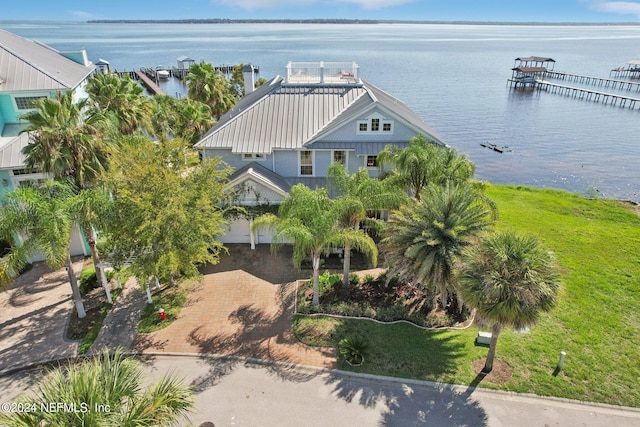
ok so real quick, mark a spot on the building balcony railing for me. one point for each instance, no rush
(322, 73)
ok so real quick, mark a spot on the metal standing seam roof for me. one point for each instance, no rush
(281, 116)
(535, 59)
(276, 180)
(11, 153)
(26, 65)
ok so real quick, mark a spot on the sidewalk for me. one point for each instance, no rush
(120, 326)
(33, 316)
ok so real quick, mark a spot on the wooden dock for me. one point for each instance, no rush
(589, 94)
(151, 86)
(594, 81)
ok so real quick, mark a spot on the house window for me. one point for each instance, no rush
(306, 163)
(375, 125)
(26, 102)
(340, 157)
(372, 161)
(252, 156)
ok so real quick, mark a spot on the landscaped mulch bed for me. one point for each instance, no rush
(377, 299)
(93, 301)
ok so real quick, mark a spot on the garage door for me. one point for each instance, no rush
(238, 232)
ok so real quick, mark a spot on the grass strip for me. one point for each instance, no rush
(171, 299)
(91, 336)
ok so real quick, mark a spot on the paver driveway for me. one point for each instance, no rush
(243, 307)
(33, 317)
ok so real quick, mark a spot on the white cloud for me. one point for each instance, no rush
(270, 4)
(619, 7)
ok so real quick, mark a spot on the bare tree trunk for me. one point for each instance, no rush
(148, 289)
(95, 257)
(316, 279)
(346, 266)
(495, 332)
(75, 291)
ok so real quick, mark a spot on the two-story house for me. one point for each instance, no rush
(30, 70)
(291, 129)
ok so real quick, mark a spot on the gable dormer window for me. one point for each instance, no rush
(375, 124)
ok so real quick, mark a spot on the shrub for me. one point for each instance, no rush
(389, 314)
(354, 279)
(354, 349)
(368, 279)
(88, 279)
(326, 280)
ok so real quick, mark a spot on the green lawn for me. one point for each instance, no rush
(171, 299)
(597, 322)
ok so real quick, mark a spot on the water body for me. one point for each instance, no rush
(454, 76)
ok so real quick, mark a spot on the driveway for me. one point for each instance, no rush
(33, 317)
(243, 307)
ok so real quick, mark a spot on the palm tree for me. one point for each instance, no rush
(357, 194)
(88, 209)
(193, 120)
(424, 238)
(43, 217)
(423, 163)
(309, 219)
(123, 99)
(509, 279)
(67, 140)
(210, 87)
(106, 390)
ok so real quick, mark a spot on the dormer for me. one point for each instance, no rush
(375, 124)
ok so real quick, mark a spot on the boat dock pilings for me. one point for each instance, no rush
(589, 94)
(594, 81)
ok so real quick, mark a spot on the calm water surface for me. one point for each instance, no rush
(454, 76)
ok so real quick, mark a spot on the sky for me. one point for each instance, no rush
(424, 10)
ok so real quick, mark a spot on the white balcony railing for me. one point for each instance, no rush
(322, 73)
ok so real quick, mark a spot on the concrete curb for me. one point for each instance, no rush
(556, 401)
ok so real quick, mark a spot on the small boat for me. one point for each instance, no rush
(161, 73)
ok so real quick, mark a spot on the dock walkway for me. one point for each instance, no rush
(595, 81)
(149, 84)
(589, 94)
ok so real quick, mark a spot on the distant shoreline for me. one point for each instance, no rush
(339, 21)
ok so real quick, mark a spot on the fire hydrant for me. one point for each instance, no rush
(162, 314)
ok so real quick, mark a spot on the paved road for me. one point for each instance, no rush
(235, 393)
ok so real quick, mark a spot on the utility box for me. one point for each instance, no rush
(483, 338)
